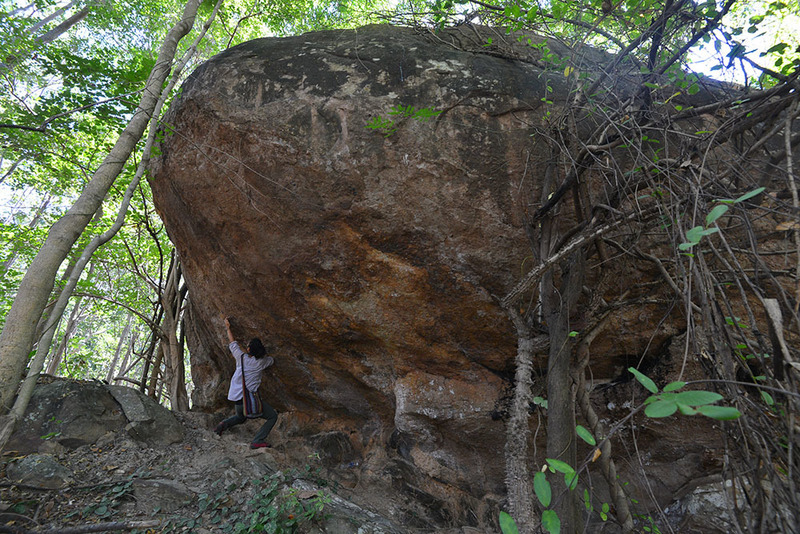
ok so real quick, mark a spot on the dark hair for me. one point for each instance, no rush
(256, 349)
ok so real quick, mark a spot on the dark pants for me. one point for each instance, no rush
(269, 414)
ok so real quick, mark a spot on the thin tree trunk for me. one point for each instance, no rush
(48, 37)
(607, 464)
(62, 28)
(156, 371)
(125, 333)
(171, 300)
(123, 368)
(560, 397)
(58, 355)
(10, 171)
(52, 16)
(519, 480)
(152, 345)
(21, 9)
(16, 339)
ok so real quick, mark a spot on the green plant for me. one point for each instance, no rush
(272, 509)
(661, 403)
(54, 433)
(695, 234)
(650, 525)
(106, 503)
(271, 512)
(604, 507)
(691, 402)
(389, 127)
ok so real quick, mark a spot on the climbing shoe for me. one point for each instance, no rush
(220, 429)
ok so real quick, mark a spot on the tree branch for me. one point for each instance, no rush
(588, 235)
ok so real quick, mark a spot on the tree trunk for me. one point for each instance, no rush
(560, 396)
(58, 355)
(49, 18)
(172, 300)
(10, 170)
(113, 365)
(62, 28)
(155, 372)
(16, 339)
(123, 368)
(519, 479)
(152, 344)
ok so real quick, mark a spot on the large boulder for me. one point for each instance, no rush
(66, 414)
(357, 199)
(371, 259)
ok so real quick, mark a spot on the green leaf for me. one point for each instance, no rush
(644, 380)
(542, 489)
(507, 524)
(571, 480)
(652, 398)
(550, 522)
(693, 235)
(767, 398)
(721, 413)
(779, 48)
(716, 213)
(674, 386)
(685, 409)
(698, 397)
(751, 194)
(661, 408)
(561, 467)
(585, 435)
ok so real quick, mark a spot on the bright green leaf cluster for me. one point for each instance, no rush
(690, 402)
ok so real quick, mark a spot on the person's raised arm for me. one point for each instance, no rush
(228, 328)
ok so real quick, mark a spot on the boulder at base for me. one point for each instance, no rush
(66, 414)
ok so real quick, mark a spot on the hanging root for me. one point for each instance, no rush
(607, 465)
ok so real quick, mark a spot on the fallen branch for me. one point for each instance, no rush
(96, 527)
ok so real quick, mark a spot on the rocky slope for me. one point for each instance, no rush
(90, 454)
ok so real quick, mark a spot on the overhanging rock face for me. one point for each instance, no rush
(372, 259)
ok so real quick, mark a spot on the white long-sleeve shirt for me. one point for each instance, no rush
(253, 367)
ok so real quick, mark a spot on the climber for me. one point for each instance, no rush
(254, 360)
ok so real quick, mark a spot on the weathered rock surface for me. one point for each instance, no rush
(373, 259)
(40, 470)
(66, 414)
(202, 484)
(369, 261)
